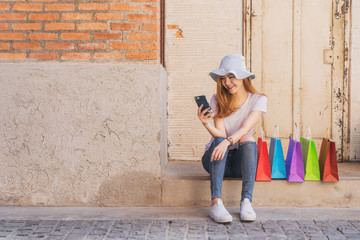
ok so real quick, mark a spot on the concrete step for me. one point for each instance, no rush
(187, 184)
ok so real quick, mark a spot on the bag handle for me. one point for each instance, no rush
(276, 131)
(327, 134)
(296, 134)
(262, 133)
(308, 133)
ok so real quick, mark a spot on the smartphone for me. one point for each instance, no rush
(202, 100)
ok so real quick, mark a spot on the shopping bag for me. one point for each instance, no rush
(328, 161)
(263, 170)
(311, 161)
(277, 161)
(294, 161)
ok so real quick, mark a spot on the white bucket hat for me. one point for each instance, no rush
(232, 63)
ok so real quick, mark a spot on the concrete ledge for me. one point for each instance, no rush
(116, 213)
(187, 184)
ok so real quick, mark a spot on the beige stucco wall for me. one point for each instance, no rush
(198, 34)
(81, 134)
(355, 83)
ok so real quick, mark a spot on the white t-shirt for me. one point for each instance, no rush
(254, 102)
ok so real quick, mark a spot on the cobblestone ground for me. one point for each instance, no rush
(179, 229)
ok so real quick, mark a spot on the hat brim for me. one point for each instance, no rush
(239, 73)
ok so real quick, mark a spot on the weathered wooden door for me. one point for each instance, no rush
(299, 54)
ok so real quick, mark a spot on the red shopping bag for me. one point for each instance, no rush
(328, 161)
(263, 171)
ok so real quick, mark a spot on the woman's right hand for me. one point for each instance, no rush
(202, 117)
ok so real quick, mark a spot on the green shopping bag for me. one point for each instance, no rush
(310, 157)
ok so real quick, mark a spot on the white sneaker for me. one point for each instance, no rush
(247, 213)
(219, 213)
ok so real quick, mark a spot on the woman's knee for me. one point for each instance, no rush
(247, 138)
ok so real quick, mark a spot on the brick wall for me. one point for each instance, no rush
(76, 30)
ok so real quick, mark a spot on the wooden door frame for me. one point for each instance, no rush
(341, 65)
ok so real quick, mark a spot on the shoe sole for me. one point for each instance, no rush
(247, 219)
(224, 221)
(221, 221)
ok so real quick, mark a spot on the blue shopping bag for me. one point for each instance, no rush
(277, 160)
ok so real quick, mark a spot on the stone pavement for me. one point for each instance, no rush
(176, 223)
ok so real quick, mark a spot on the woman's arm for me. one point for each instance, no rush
(216, 131)
(247, 125)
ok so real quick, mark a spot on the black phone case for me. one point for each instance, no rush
(202, 100)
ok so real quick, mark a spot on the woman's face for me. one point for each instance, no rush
(231, 84)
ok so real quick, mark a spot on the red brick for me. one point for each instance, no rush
(4, 6)
(12, 36)
(42, 0)
(76, 16)
(92, 26)
(141, 55)
(59, 46)
(151, 27)
(142, 17)
(150, 46)
(127, 46)
(124, 7)
(109, 16)
(172, 26)
(26, 26)
(104, 36)
(12, 56)
(75, 55)
(12, 16)
(149, 8)
(43, 56)
(92, 6)
(28, 7)
(75, 36)
(58, 7)
(144, 0)
(4, 46)
(142, 36)
(59, 26)
(43, 16)
(32, 46)
(92, 46)
(124, 26)
(43, 36)
(108, 55)
(4, 26)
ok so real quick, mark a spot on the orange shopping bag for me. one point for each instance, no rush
(328, 160)
(263, 171)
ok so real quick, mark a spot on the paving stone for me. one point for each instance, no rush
(356, 224)
(254, 229)
(73, 236)
(272, 229)
(345, 227)
(353, 236)
(178, 229)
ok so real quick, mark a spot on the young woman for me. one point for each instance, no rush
(232, 151)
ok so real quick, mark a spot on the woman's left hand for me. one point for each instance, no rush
(220, 150)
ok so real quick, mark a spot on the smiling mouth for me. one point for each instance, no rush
(229, 88)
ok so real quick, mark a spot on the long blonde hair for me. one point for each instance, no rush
(226, 102)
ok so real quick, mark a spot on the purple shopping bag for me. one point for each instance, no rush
(294, 162)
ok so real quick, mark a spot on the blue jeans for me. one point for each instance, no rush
(237, 163)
